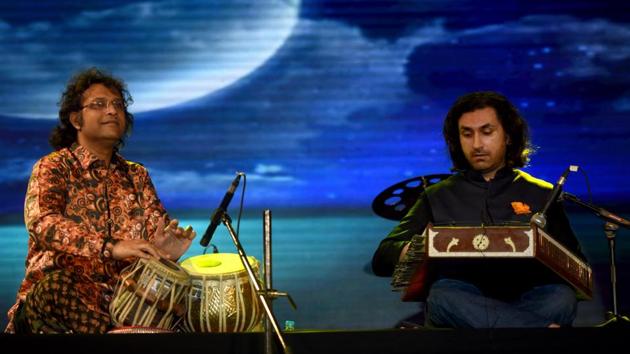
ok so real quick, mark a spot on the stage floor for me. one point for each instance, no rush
(530, 341)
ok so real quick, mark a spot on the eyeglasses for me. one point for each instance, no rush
(102, 104)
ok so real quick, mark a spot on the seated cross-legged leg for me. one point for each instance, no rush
(457, 304)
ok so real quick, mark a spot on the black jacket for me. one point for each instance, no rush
(466, 199)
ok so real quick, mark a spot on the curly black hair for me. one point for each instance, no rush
(64, 134)
(518, 150)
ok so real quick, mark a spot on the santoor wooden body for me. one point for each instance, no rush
(532, 242)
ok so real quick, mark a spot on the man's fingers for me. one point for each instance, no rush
(165, 255)
(173, 224)
(185, 233)
(160, 224)
(158, 253)
(182, 233)
(142, 254)
(149, 250)
(190, 233)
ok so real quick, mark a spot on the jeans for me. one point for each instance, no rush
(457, 304)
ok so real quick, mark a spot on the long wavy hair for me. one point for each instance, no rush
(519, 147)
(64, 134)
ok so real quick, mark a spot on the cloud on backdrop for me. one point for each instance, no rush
(347, 101)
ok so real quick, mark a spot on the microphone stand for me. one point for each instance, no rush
(262, 294)
(270, 293)
(610, 228)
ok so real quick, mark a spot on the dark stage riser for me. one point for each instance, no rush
(530, 341)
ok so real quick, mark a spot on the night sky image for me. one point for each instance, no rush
(323, 104)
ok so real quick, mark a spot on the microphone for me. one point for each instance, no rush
(540, 218)
(218, 213)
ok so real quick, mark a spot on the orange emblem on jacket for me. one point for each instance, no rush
(520, 208)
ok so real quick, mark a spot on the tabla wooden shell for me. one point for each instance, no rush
(221, 297)
(150, 294)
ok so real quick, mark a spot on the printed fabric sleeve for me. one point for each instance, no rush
(154, 210)
(45, 214)
(388, 252)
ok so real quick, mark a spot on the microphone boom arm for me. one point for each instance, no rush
(601, 212)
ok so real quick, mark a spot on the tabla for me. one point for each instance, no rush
(151, 294)
(138, 330)
(221, 298)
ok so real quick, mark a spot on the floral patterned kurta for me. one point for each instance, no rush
(71, 196)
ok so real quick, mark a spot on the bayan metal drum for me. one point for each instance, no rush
(151, 294)
(221, 297)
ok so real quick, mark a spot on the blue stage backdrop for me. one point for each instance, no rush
(323, 104)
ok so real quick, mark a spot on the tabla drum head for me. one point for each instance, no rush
(216, 263)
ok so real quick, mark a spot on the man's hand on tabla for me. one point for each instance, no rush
(173, 239)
